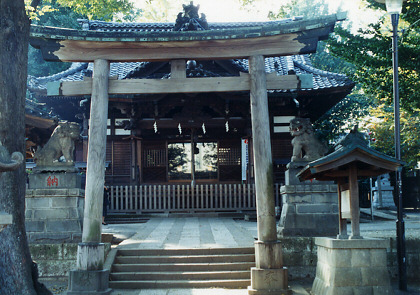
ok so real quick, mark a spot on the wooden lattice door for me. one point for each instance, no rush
(154, 162)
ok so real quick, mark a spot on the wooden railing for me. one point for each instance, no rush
(184, 198)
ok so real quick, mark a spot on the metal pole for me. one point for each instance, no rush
(402, 267)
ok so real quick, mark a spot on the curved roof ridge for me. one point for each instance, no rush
(75, 67)
(98, 25)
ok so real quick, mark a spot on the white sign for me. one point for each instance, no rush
(245, 159)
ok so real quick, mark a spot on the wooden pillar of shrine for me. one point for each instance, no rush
(354, 202)
(90, 275)
(269, 276)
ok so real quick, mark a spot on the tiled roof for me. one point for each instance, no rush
(38, 110)
(284, 65)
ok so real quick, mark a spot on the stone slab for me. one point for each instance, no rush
(268, 279)
(352, 244)
(89, 282)
(54, 192)
(5, 218)
(47, 180)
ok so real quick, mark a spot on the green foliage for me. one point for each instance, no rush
(370, 51)
(64, 13)
(98, 9)
(342, 117)
(380, 123)
(300, 8)
(323, 60)
(59, 17)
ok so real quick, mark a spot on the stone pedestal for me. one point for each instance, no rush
(57, 177)
(383, 194)
(351, 267)
(309, 209)
(54, 215)
(82, 282)
(269, 276)
(89, 278)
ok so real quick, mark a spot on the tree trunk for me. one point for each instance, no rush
(18, 274)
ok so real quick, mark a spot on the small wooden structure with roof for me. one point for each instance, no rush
(351, 160)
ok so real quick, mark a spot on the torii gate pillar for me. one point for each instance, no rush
(269, 276)
(90, 276)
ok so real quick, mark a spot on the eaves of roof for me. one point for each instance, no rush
(162, 32)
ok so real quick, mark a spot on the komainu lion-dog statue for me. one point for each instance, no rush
(305, 142)
(60, 144)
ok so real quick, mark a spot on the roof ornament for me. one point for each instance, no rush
(190, 20)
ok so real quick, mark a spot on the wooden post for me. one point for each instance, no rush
(262, 151)
(178, 69)
(354, 202)
(90, 273)
(269, 276)
(95, 172)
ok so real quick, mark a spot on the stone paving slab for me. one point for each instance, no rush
(190, 232)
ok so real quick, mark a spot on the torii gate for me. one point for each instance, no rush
(254, 43)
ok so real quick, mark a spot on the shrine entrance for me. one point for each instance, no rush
(251, 43)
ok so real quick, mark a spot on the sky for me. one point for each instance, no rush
(232, 11)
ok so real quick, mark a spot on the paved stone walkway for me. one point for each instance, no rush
(208, 232)
(192, 232)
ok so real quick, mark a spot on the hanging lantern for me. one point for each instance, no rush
(204, 128)
(179, 128)
(227, 126)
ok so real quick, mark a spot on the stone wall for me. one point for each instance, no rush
(54, 215)
(300, 257)
(56, 260)
(309, 210)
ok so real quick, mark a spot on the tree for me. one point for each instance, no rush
(369, 50)
(307, 9)
(59, 13)
(18, 274)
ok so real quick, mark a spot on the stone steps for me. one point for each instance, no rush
(182, 268)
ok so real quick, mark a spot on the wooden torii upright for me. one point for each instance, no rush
(252, 43)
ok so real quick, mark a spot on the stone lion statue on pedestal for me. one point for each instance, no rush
(305, 141)
(60, 144)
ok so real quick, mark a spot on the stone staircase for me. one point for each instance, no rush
(182, 268)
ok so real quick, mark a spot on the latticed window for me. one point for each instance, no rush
(229, 156)
(154, 158)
